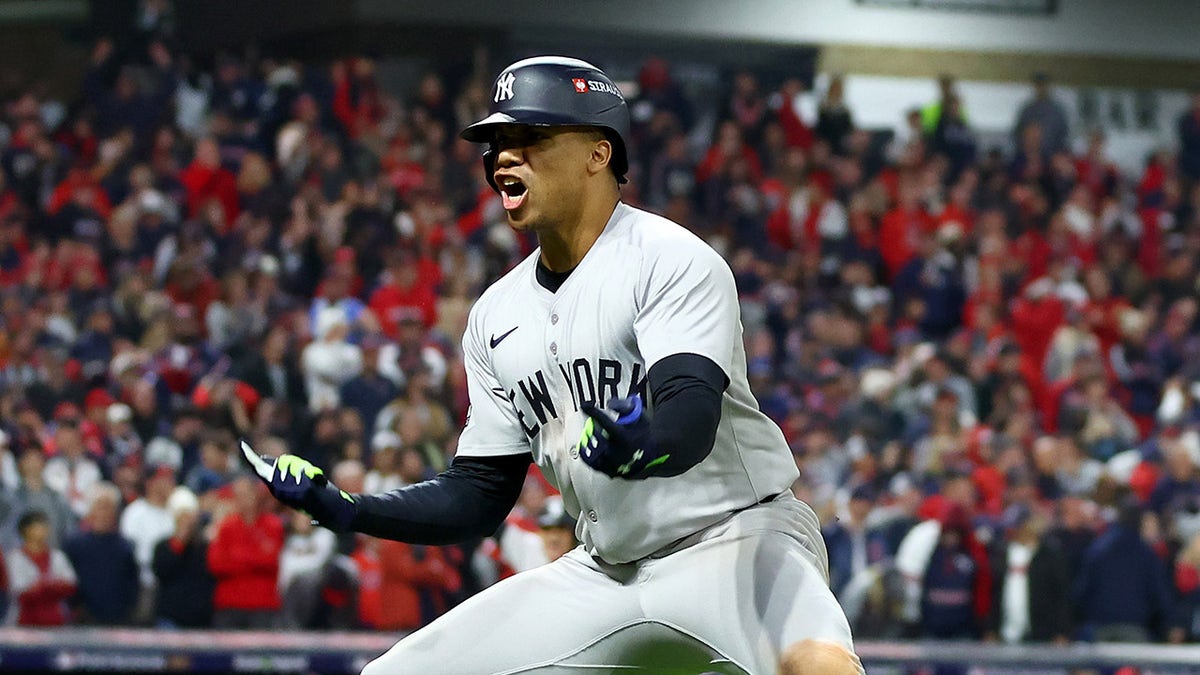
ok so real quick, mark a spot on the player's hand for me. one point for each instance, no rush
(617, 442)
(300, 484)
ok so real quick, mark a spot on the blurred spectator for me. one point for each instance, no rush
(728, 148)
(210, 185)
(557, 529)
(956, 590)
(217, 461)
(146, 522)
(104, 562)
(124, 103)
(1031, 595)
(1102, 425)
(1074, 531)
(931, 114)
(336, 292)
(953, 138)
(384, 475)
(834, 119)
(304, 567)
(273, 371)
(356, 97)
(747, 107)
(1048, 115)
(848, 541)
(34, 495)
(1078, 474)
(1072, 341)
(232, 321)
(369, 391)
(1140, 377)
(1187, 585)
(422, 421)
(329, 361)
(40, 578)
(369, 569)
(10, 476)
(1189, 139)
(1178, 490)
(1121, 592)
(185, 585)
(244, 559)
(414, 350)
(518, 543)
(70, 472)
(418, 584)
(403, 294)
(928, 285)
(660, 104)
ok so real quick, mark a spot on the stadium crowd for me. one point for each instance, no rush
(987, 361)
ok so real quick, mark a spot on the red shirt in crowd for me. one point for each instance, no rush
(390, 303)
(1033, 248)
(1034, 322)
(370, 585)
(898, 236)
(42, 604)
(356, 100)
(203, 182)
(795, 132)
(64, 192)
(715, 159)
(1150, 244)
(408, 572)
(1104, 318)
(244, 558)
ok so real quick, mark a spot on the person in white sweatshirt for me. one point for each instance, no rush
(330, 360)
(304, 565)
(146, 522)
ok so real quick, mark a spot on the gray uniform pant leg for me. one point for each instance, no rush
(752, 586)
(730, 601)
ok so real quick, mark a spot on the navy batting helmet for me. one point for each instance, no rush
(552, 91)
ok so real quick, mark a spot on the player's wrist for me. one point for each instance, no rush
(337, 508)
(618, 440)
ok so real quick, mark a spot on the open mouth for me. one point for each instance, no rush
(512, 192)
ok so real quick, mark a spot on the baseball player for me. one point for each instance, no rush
(612, 356)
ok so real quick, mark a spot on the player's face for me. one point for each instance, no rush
(541, 172)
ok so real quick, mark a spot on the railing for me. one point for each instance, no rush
(137, 650)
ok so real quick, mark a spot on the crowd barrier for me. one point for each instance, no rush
(121, 650)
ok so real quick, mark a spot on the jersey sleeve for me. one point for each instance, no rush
(492, 426)
(687, 304)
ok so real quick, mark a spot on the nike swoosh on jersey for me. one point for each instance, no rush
(497, 340)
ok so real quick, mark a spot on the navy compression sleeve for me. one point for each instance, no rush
(686, 390)
(469, 499)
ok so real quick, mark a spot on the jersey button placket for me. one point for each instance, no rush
(552, 333)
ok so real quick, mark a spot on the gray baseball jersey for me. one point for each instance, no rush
(646, 289)
(697, 572)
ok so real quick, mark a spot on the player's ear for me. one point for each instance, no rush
(601, 157)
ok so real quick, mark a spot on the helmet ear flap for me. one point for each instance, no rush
(489, 166)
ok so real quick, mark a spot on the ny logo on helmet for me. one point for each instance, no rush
(504, 87)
